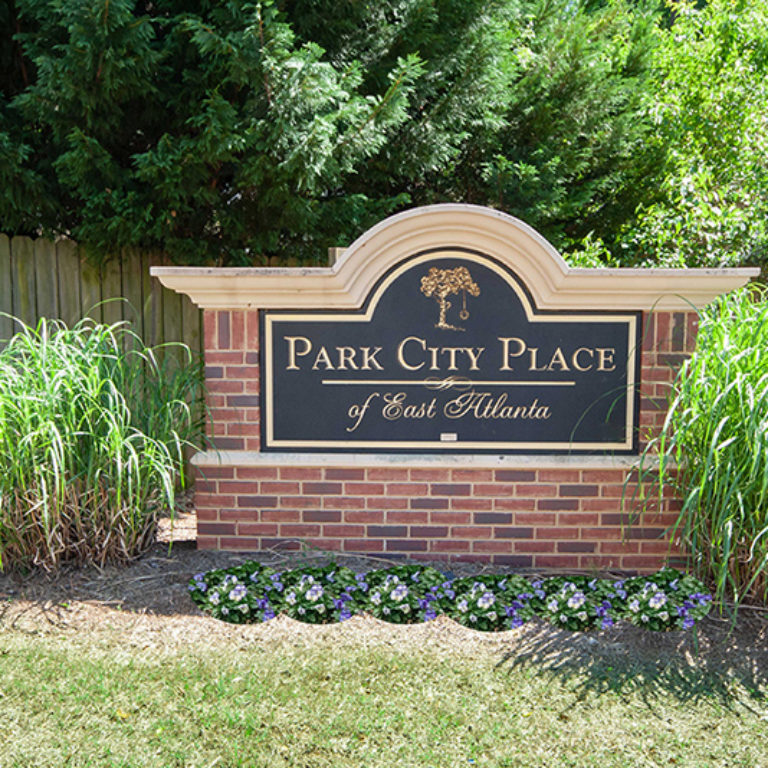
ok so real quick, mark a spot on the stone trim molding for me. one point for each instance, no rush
(215, 458)
(553, 284)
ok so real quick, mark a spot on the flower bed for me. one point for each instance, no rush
(410, 594)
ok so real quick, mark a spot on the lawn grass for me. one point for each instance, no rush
(85, 700)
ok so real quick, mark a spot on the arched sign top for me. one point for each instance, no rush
(551, 282)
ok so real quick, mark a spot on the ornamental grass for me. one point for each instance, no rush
(714, 447)
(93, 431)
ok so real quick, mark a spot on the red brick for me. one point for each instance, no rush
(207, 542)
(534, 518)
(257, 529)
(578, 518)
(407, 489)
(363, 545)
(536, 490)
(343, 502)
(281, 515)
(213, 500)
(429, 531)
(534, 546)
(401, 516)
(406, 545)
(494, 489)
(257, 473)
(449, 545)
(387, 531)
(515, 476)
(333, 473)
(469, 532)
(556, 505)
(387, 502)
(301, 502)
(643, 563)
(238, 486)
(243, 543)
(386, 474)
(215, 529)
(576, 546)
(299, 531)
(322, 488)
(222, 326)
(429, 475)
(450, 489)
(301, 473)
(559, 475)
(493, 518)
(242, 372)
(618, 547)
(451, 518)
(513, 561)
(556, 533)
(207, 514)
(491, 546)
(223, 473)
(364, 489)
(257, 501)
(222, 386)
(472, 475)
(224, 358)
(599, 562)
(237, 330)
(465, 505)
(603, 476)
(515, 505)
(343, 531)
(578, 490)
(363, 516)
(433, 502)
(513, 533)
(321, 516)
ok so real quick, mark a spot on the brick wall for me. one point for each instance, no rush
(536, 517)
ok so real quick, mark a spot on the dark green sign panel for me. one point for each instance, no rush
(449, 354)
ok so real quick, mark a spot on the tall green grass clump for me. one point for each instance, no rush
(716, 433)
(93, 431)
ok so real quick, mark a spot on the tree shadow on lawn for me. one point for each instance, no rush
(711, 662)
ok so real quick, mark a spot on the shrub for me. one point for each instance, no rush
(93, 427)
(716, 433)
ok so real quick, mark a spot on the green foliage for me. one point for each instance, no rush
(716, 433)
(93, 427)
(708, 103)
(410, 594)
(235, 132)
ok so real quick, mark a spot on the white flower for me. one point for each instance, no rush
(634, 606)
(563, 617)
(405, 608)
(290, 598)
(657, 600)
(463, 606)
(486, 600)
(664, 616)
(213, 598)
(553, 605)
(644, 619)
(582, 615)
(385, 610)
(491, 615)
(314, 593)
(320, 608)
(376, 598)
(576, 600)
(243, 608)
(399, 593)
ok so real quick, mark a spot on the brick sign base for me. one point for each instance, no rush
(567, 512)
(572, 508)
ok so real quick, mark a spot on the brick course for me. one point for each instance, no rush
(561, 518)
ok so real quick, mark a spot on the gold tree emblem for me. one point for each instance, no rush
(442, 283)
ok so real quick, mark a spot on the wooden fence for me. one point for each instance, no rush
(40, 278)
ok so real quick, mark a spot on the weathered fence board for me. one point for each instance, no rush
(39, 278)
(6, 295)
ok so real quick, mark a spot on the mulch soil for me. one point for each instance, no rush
(147, 603)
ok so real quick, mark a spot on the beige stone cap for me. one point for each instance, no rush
(446, 228)
(414, 461)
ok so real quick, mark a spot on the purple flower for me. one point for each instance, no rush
(537, 584)
(450, 594)
(516, 622)
(345, 614)
(268, 614)
(275, 576)
(415, 577)
(688, 622)
(429, 614)
(607, 622)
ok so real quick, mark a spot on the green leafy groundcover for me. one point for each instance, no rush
(410, 594)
